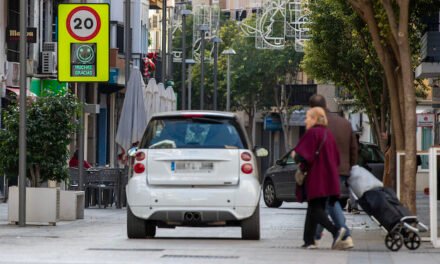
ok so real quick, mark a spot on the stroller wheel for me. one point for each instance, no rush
(394, 241)
(412, 240)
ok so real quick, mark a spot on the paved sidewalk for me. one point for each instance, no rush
(101, 238)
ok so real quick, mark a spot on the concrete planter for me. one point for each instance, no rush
(71, 205)
(42, 205)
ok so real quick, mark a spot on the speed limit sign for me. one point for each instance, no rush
(83, 42)
(83, 23)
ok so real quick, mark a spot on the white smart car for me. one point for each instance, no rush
(194, 168)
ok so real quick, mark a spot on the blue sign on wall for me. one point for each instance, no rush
(114, 74)
(272, 123)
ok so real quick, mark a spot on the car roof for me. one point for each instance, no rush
(195, 112)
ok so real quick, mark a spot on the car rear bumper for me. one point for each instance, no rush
(208, 203)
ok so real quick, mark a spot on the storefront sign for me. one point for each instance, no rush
(425, 120)
(13, 35)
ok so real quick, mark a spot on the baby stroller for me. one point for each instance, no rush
(382, 205)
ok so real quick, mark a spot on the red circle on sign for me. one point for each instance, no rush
(94, 13)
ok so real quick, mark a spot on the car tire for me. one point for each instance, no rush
(150, 229)
(269, 195)
(136, 227)
(250, 227)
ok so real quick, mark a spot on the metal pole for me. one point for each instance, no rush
(127, 42)
(170, 45)
(164, 41)
(1, 97)
(22, 126)
(215, 74)
(189, 86)
(183, 61)
(202, 74)
(81, 137)
(228, 86)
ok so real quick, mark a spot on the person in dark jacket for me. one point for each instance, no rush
(348, 149)
(320, 159)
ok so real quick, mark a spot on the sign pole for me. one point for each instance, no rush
(22, 126)
(164, 42)
(81, 94)
(84, 56)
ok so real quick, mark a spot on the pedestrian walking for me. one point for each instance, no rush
(317, 155)
(348, 150)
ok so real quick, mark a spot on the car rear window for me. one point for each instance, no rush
(192, 132)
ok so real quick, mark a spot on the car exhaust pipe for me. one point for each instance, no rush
(188, 216)
(192, 216)
(196, 216)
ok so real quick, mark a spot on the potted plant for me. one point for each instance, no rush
(50, 122)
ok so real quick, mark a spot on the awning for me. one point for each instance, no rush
(17, 91)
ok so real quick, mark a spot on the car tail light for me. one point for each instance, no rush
(139, 168)
(140, 156)
(247, 168)
(246, 156)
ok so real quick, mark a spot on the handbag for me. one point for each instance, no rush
(300, 175)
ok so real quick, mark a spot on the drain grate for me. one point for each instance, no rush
(127, 249)
(200, 256)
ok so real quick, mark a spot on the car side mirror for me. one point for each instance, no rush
(261, 152)
(132, 151)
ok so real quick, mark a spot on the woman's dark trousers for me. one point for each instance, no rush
(316, 214)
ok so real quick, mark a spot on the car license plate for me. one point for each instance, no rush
(193, 166)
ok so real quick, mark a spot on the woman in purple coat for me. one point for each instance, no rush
(318, 155)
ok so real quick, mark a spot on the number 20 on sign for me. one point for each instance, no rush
(83, 42)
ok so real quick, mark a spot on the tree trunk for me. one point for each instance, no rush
(408, 186)
(394, 55)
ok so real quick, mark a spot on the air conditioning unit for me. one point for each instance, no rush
(49, 62)
(50, 46)
(13, 74)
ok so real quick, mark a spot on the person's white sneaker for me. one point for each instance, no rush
(337, 240)
(347, 243)
(317, 241)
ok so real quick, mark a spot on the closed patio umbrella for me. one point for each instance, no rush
(163, 98)
(149, 98)
(133, 120)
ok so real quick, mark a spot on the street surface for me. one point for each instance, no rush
(101, 238)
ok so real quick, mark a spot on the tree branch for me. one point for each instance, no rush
(392, 21)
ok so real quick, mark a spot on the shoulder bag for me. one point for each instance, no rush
(300, 175)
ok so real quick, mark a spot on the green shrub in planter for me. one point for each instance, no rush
(50, 122)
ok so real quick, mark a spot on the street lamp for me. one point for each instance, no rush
(203, 28)
(228, 53)
(216, 40)
(190, 62)
(184, 13)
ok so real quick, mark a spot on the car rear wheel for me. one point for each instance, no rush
(269, 195)
(151, 229)
(137, 227)
(250, 227)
